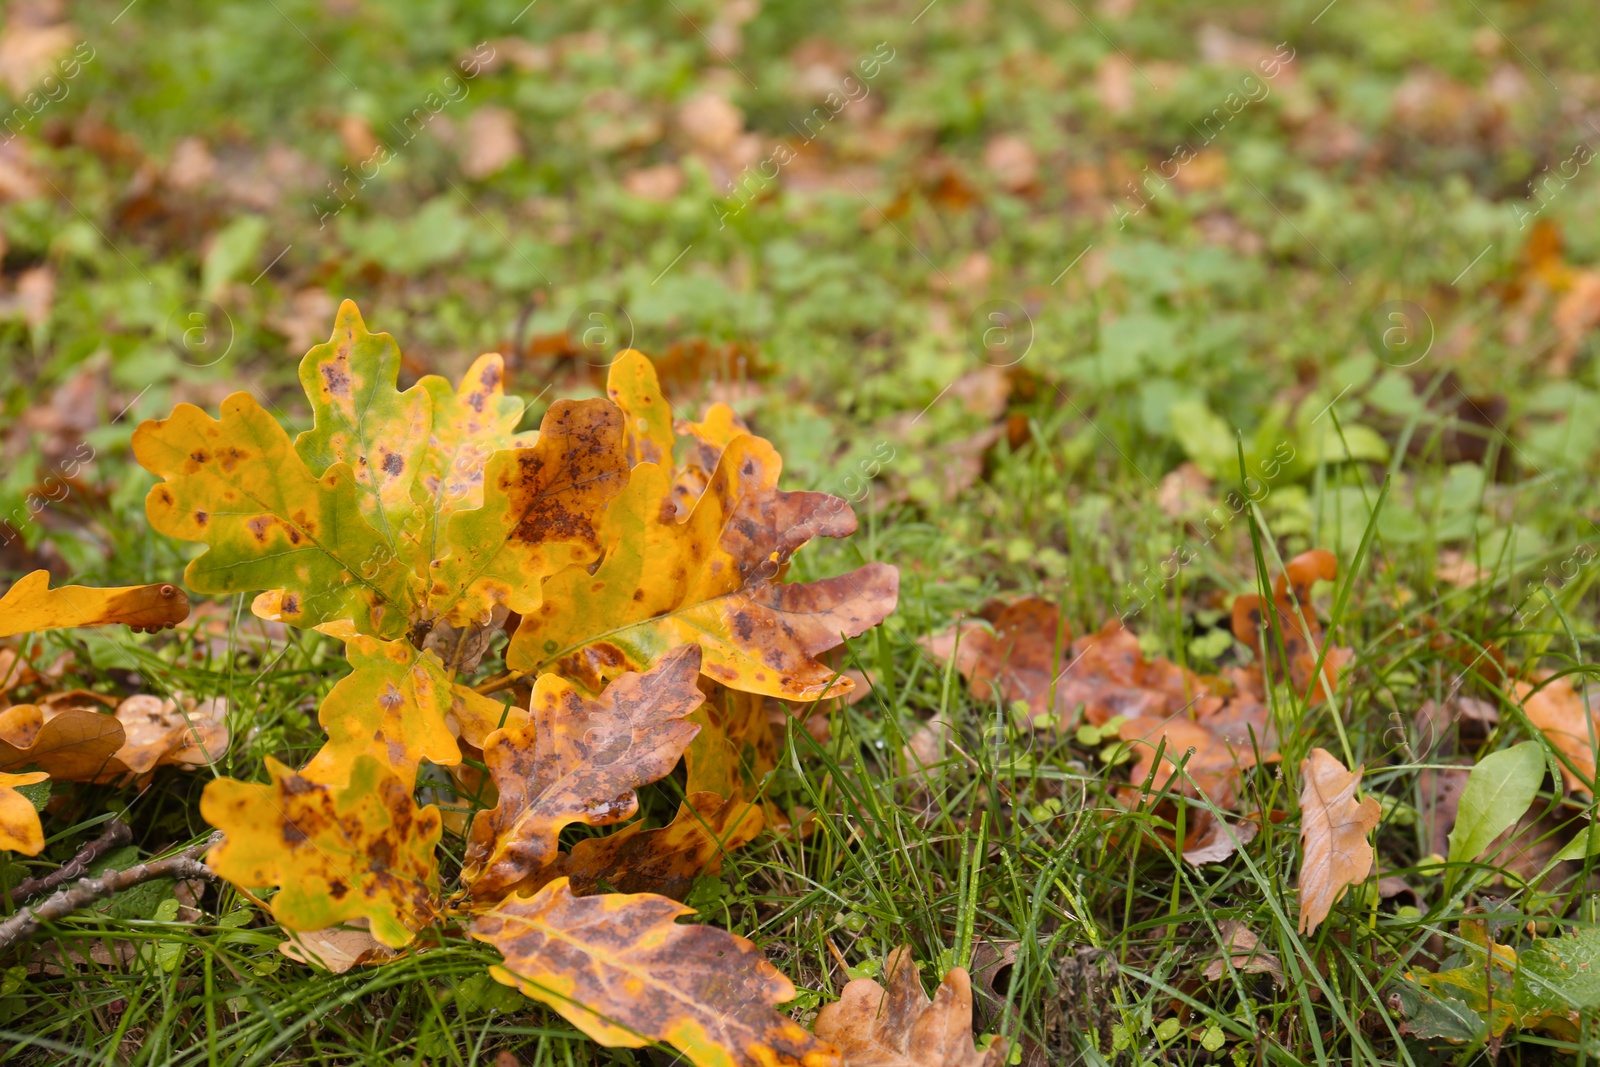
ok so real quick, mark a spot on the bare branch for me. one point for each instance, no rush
(25, 923)
(117, 834)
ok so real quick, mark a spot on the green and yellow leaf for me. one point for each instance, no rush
(364, 422)
(620, 968)
(470, 424)
(238, 485)
(578, 760)
(340, 853)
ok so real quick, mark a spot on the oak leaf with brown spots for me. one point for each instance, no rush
(340, 853)
(578, 760)
(621, 969)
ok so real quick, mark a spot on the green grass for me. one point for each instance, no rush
(1212, 328)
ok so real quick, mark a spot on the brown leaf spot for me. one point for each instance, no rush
(336, 378)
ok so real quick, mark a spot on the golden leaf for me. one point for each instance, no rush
(647, 420)
(901, 1027)
(396, 510)
(578, 760)
(622, 970)
(31, 605)
(20, 830)
(362, 850)
(1333, 830)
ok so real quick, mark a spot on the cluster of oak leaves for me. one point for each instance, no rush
(648, 624)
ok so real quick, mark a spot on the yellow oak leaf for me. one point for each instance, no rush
(340, 853)
(632, 385)
(238, 485)
(541, 512)
(470, 424)
(31, 605)
(1333, 829)
(393, 705)
(707, 439)
(20, 830)
(710, 579)
(901, 1027)
(364, 422)
(578, 760)
(620, 968)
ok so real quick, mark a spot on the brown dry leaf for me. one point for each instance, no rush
(1440, 789)
(711, 122)
(1014, 658)
(1454, 567)
(621, 969)
(1215, 747)
(659, 184)
(69, 744)
(492, 142)
(305, 322)
(160, 732)
(1334, 828)
(360, 143)
(1017, 660)
(1296, 620)
(1561, 713)
(1011, 160)
(578, 760)
(193, 167)
(1214, 840)
(1575, 314)
(668, 859)
(901, 1027)
(1113, 84)
(337, 948)
(1243, 948)
(28, 50)
(1184, 490)
(35, 295)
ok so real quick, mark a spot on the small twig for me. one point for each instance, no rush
(117, 834)
(185, 865)
(503, 680)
